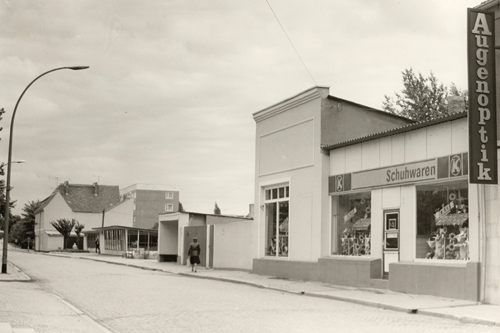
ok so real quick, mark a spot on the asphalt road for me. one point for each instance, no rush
(74, 295)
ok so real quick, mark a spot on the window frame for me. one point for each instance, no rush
(277, 197)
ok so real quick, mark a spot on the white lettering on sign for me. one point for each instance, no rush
(481, 30)
(444, 211)
(350, 215)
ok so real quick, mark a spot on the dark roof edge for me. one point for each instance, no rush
(369, 108)
(397, 130)
(485, 5)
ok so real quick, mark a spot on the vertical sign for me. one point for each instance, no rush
(482, 99)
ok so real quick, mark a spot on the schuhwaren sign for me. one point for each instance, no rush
(482, 99)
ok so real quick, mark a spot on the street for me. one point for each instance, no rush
(74, 295)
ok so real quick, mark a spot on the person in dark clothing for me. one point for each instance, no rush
(97, 247)
(194, 254)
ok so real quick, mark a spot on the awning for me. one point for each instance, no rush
(453, 219)
(362, 224)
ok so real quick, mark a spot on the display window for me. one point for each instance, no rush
(277, 221)
(354, 225)
(443, 221)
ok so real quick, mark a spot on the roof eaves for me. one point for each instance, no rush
(368, 108)
(397, 130)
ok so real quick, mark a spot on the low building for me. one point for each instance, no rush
(225, 240)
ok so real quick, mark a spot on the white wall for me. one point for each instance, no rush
(231, 248)
(287, 147)
(122, 214)
(425, 143)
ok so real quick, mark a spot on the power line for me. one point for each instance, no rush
(290, 41)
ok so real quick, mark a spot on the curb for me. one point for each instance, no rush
(462, 319)
(26, 277)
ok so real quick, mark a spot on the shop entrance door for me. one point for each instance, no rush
(391, 238)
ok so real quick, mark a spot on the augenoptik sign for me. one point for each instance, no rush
(482, 99)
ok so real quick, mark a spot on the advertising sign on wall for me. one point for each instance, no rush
(482, 99)
(433, 169)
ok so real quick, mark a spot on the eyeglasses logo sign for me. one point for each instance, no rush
(456, 165)
(340, 183)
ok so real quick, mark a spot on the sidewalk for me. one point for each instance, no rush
(464, 311)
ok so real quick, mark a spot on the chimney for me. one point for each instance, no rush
(95, 189)
(251, 211)
(66, 186)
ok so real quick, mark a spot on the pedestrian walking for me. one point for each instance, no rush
(194, 254)
(97, 246)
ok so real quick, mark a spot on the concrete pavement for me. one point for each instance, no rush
(464, 311)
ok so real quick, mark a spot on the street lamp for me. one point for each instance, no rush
(7, 187)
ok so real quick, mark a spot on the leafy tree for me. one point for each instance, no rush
(458, 99)
(28, 222)
(2, 192)
(64, 226)
(78, 228)
(217, 210)
(15, 229)
(181, 207)
(424, 98)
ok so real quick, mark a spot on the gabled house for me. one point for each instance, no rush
(85, 203)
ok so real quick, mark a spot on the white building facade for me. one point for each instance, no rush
(376, 202)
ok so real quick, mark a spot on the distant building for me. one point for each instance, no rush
(140, 205)
(85, 203)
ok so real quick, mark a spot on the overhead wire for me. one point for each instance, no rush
(290, 41)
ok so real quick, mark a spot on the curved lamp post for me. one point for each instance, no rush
(7, 187)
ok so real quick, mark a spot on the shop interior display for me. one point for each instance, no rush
(355, 242)
(450, 240)
(356, 235)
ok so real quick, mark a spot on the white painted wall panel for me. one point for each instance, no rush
(377, 224)
(353, 158)
(391, 197)
(301, 224)
(288, 148)
(415, 145)
(407, 231)
(398, 149)
(439, 140)
(459, 136)
(370, 155)
(337, 161)
(385, 151)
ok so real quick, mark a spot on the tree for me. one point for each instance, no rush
(78, 229)
(2, 191)
(28, 223)
(217, 210)
(424, 98)
(64, 226)
(181, 207)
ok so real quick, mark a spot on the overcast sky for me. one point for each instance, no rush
(172, 85)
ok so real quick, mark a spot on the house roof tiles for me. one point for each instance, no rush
(85, 198)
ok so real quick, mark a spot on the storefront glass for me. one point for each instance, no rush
(113, 239)
(277, 222)
(442, 221)
(354, 225)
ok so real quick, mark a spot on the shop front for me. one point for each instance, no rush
(403, 201)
